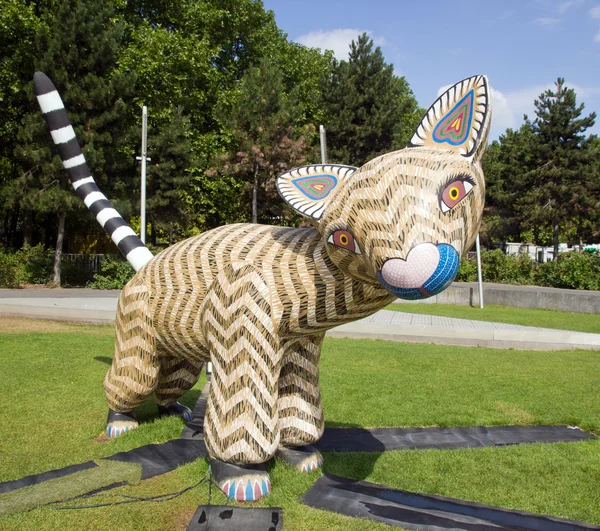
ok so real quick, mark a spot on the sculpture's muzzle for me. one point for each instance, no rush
(428, 270)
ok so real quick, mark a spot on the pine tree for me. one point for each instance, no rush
(170, 148)
(560, 189)
(77, 47)
(369, 109)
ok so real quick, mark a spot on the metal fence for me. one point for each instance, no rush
(85, 262)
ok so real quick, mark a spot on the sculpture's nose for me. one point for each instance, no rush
(427, 270)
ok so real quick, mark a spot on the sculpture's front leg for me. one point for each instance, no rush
(300, 409)
(241, 427)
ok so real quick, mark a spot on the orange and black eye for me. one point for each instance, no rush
(345, 240)
(454, 192)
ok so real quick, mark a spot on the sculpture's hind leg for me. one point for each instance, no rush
(241, 428)
(301, 421)
(176, 377)
(133, 374)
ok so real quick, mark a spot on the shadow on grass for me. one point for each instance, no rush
(103, 359)
(148, 411)
(355, 465)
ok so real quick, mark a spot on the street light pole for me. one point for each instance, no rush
(143, 184)
(323, 136)
(479, 275)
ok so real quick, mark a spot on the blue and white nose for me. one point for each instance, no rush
(428, 270)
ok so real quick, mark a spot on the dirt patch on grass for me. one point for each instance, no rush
(515, 414)
(21, 325)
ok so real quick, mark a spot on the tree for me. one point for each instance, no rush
(18, 27)
(505, 162)
(264, 144)
(369, 109)
(560, 188)
(542, 180)
(77, 47)
(170, 148)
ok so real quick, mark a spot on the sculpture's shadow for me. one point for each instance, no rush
(148, 411)
(350, 450)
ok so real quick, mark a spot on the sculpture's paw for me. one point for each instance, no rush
(176, 410)
(241, 482)
(303, 458)
(119, 423)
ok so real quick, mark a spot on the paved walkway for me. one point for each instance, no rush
(99, 306)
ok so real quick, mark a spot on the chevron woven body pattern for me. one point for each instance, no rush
(211, 298)
(256, 300)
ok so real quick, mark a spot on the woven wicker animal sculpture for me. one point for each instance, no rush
(257, 300)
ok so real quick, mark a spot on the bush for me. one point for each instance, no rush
(499, 267)
(114, 274)
(571, 270)
(467, 271)
(29, 265)
(38, 263)
(11, 271)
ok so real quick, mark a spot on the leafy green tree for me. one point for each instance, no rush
(77, 47)
(369, 109)
(18, 27)
(264, 143)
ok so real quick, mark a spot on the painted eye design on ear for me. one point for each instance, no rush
(345, 240)
(454, 192)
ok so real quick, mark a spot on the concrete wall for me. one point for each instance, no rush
(467, 294)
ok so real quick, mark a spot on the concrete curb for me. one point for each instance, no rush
(100, 308)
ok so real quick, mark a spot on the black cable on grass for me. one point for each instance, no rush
(159, 498)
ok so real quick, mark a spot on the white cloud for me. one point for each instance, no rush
(546, 21)
(595, 14)
(337, 40)
(563, 7)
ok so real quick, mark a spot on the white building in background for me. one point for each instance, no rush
(539, 253)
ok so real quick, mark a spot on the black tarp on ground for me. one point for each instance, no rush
(34, 479)
(224, 518)
(157, 459)
(424, 512)
(161, 458)
(381, 439)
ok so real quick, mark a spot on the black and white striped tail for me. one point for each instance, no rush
(62, 132)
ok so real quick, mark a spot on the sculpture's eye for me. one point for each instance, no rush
(454, 192)
(345, 240)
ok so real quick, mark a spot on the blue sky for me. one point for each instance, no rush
(523, 46)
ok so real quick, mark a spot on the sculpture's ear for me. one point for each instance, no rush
(309, 189)
(459, 120)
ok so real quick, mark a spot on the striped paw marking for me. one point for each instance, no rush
(312, 466)
(247, 489)
(303, 458)
(118, 428)
(241, 482)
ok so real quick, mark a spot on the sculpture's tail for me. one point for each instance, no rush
(134, 250)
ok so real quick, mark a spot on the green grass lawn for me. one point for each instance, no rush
(52, 374)
(580, 322)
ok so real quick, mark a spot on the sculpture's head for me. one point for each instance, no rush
(404, 219)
